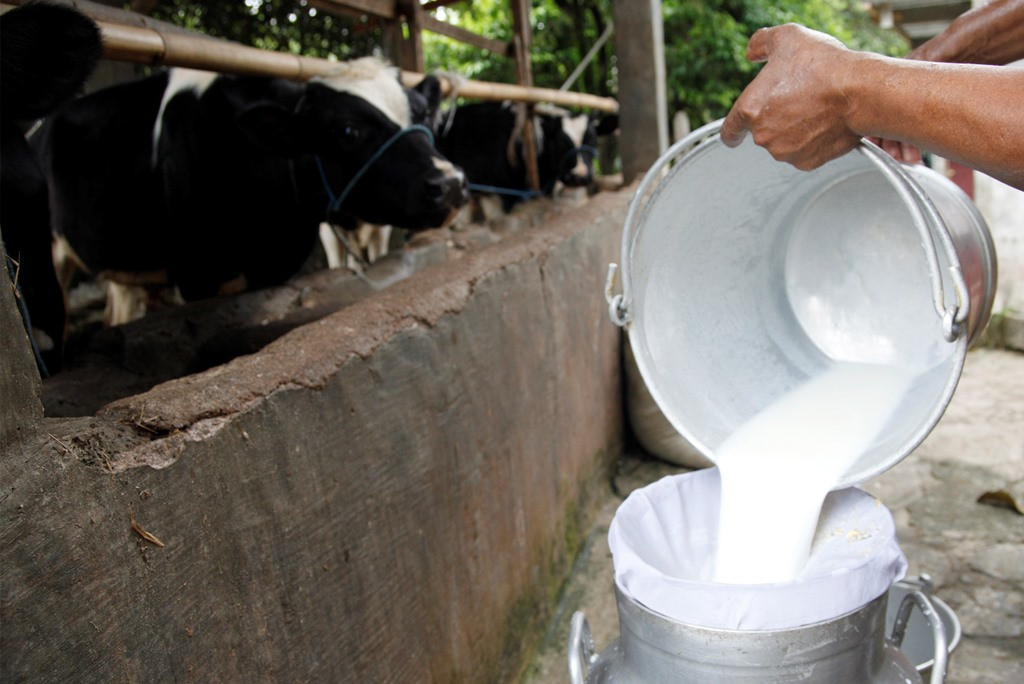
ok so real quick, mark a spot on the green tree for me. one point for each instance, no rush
(280, 25)
(705, 40)
(705, 44)
(563, 33)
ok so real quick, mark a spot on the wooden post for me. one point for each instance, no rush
(522, 41)
(643, 109)
(407, 36)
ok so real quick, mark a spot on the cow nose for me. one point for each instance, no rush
(449, 189)
(579, 176)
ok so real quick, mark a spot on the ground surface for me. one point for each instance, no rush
(974, 551)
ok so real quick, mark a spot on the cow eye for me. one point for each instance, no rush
(348, 133)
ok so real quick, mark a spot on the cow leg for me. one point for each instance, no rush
(332, 246)
(373, 241)
(67, 263)
(125, 303)
(346, 249)
(491, 207)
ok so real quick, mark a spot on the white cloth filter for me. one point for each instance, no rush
(662, 540)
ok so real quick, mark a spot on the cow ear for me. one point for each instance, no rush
(272, 127)
(607, 124)
(430, 88)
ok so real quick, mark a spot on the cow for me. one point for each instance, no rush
(215, 183)
(485, 140)
(46, 54)
(356, 248)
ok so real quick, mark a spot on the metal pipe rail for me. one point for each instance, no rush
(158, 47)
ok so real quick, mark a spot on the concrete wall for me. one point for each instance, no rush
(390, 494)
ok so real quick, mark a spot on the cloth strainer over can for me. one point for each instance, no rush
(742, 277)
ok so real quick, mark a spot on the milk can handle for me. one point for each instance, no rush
(899, 629)
(581, 648)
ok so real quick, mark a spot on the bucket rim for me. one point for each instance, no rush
(928, 222)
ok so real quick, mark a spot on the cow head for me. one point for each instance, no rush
(365, 157)
(569, 144)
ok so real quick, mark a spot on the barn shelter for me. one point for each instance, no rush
(389, 485)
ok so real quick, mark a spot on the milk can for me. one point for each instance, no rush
(831, 624)
(852, 648)
(742, 277)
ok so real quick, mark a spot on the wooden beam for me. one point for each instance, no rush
(385, 9)
(148, 46)
(173, 46)
(144, 6)
(640, 56)
(521, 42)
(434, 4)
(409, 37)
(498, 47)
(484, 90)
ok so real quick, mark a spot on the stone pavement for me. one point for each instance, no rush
(974, 551)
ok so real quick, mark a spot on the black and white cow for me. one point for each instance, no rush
(218, 183)
(46, 54)
(357, 247)
(485, 140)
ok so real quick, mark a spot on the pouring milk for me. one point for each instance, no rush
(778, 467)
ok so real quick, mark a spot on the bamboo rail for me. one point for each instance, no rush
(159, 47)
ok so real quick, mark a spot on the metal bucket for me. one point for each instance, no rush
(743, 277)
(854, 648)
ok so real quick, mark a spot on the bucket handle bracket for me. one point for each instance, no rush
(617, 309)
(952, 323)
(899, 629)
(581, 648)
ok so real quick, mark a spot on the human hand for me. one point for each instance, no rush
(900, 151)
(796, 107)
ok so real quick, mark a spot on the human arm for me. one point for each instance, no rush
(815, 99)
(989, 34)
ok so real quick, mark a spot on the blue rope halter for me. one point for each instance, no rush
(588, 149)
(530, 193)
(521, 194)
(334, 202)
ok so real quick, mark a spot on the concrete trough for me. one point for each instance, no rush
(392, 493)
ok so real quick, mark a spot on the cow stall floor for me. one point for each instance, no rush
(104, 364)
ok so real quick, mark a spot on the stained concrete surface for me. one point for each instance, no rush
(973, 551)
(391, 493)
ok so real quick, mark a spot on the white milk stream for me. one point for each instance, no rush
(778, 467)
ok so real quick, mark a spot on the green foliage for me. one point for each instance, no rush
(705, 43)
(563, 33)
(489, 18)
(705, 40)
(280, 25)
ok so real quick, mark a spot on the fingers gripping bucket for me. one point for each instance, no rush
(742, 277)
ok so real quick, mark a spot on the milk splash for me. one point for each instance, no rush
(778, 467)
